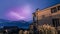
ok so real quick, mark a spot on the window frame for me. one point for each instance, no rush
(58, 7)
(54, 21)
(53, 10)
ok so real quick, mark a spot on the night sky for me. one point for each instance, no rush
(22, 9)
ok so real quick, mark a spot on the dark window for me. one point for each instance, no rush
(55, 22)
(58, 7)
(53, 10)
(43, 16)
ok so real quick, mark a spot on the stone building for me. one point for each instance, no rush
(50, 15)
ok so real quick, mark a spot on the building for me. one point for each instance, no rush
(50, 15)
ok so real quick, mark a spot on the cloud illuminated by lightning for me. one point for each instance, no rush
(20, 13)
(16, 15)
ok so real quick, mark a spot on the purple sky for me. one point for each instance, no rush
(22, 9)
(20, 13)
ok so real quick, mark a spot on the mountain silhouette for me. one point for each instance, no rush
(21, 23)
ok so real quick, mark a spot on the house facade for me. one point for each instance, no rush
(50, 15)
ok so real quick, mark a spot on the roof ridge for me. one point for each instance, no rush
(50, 6)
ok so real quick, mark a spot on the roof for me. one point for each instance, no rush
(50, 7)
